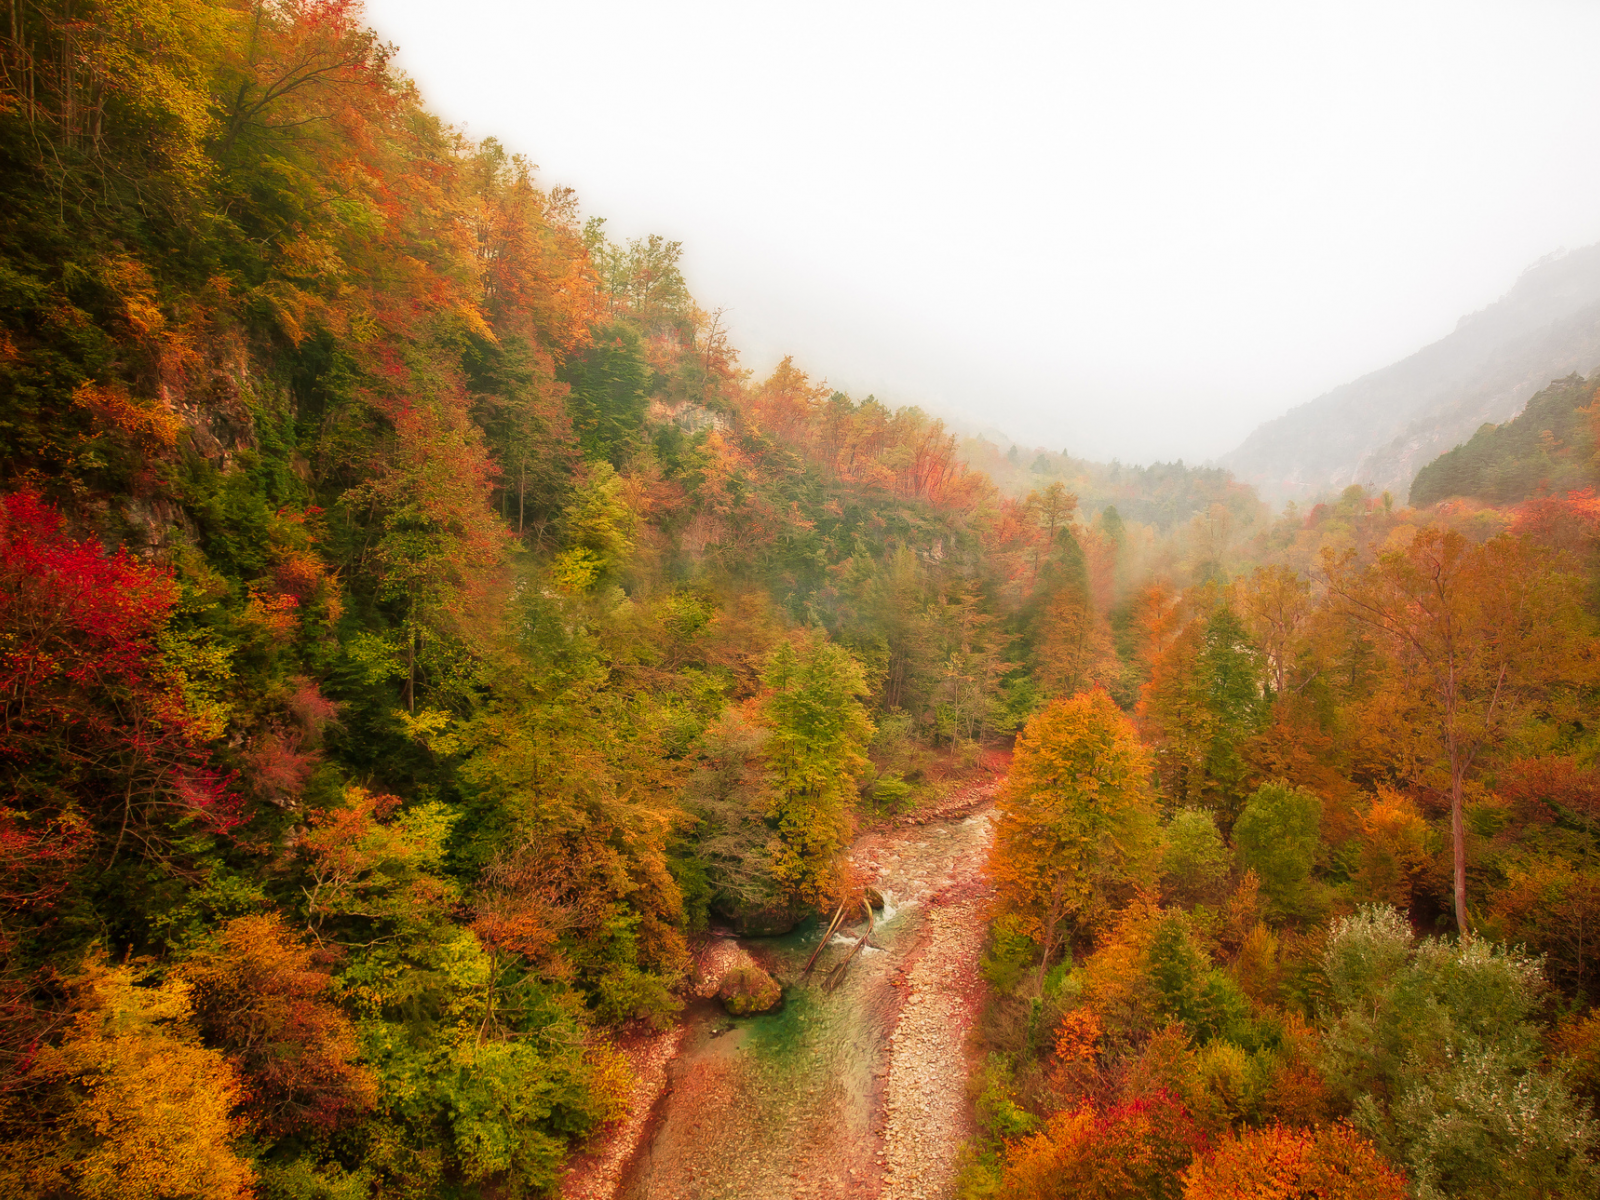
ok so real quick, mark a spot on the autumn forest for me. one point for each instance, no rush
(419, 635)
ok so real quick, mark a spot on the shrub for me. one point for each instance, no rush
(1433, 1045)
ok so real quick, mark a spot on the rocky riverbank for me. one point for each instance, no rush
(926, 1112)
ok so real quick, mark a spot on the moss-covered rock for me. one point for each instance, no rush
(746, 990)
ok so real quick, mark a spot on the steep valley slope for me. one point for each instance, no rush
(1381, 429)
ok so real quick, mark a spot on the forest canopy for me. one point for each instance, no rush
(1547, 448)
(417, 629)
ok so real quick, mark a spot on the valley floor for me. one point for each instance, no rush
(858, 1091)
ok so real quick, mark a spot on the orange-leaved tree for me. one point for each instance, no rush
(1077, 819)
(1135, 1151)
(1275, 603)
(1332, 1163)
(1475, 635)
(258, 996)
(370, 867)
(1551, 901)
(1074, 647)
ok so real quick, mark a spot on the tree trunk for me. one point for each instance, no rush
(1055, 913)
(69, 114)
(411, 673)
(1458, 841)
(1460, 759)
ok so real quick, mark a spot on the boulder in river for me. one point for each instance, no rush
(749, 989)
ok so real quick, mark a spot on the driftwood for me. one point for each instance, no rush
(833, 927)
(837, 974)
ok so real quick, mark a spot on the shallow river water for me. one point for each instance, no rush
(824, 1098)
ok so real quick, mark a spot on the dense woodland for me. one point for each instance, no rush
(416, 629)
(1549, 447)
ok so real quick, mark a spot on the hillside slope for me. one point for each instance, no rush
(1381, 428)
(395, 575)
(1548, 447)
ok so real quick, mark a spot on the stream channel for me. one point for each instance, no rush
(852, 1090)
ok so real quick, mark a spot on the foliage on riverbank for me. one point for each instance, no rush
(1357, 941)
(415, 627)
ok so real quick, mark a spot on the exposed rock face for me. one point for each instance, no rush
(749, 989)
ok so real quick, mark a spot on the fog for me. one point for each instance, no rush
(1127, 229)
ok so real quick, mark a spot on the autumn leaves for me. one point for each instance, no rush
(1220, 997)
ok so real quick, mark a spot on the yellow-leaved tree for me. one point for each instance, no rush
(129, 1105)
(1077, 821)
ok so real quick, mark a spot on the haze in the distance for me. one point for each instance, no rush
(1131, 229)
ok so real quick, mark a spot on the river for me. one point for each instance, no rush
(853, 1090)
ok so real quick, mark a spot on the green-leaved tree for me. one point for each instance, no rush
(816, 751)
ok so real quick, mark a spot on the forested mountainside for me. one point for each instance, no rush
(416, 630)
(1381, 429)
(414, 624)
(1547, 448)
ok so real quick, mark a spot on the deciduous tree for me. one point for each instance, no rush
(96, 733)
(1277, 836)
(815, 748)
(1134, 1151)
(1332, 1163)
(258, 997)
(1475, 635)
(1077, 820)
(128, 1104)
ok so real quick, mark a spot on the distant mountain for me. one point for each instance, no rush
(1548, 447)
(1382, 428)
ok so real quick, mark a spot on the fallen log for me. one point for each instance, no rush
(837, 974)
(833, 926)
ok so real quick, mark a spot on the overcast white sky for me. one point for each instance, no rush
(1118, 228)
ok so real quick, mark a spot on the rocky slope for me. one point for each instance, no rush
(1382, 428)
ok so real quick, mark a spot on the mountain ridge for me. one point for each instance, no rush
(1380, 429)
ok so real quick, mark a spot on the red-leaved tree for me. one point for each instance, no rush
(100, 755)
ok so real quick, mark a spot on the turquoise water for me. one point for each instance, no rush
(786, 1105)
(780, 1037)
